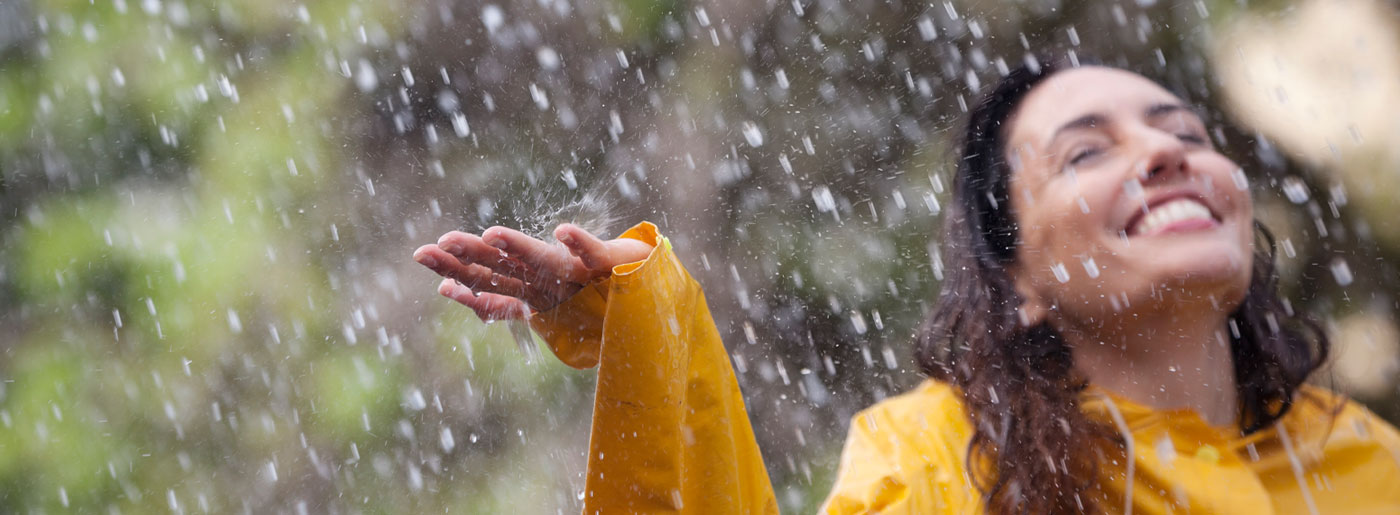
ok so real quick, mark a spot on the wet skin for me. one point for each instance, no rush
(502, 273)
(1110, 142)
(1090, 149)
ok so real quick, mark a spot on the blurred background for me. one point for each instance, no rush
(207, 212)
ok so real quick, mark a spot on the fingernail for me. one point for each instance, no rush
(427, 261)
(498, 243)
(458, 290)
(451, 248)
(566, 239)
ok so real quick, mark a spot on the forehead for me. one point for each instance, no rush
(1073, 93)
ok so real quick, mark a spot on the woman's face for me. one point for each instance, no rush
(1122, 201)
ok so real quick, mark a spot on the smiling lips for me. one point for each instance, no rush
(1181, 214)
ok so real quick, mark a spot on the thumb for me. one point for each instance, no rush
(600, 256)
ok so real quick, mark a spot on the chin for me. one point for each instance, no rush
(1221, 279)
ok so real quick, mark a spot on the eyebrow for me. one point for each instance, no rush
(1158, 110)
(1083, 122)
(1095, 119)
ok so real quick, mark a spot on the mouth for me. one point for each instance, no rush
(1173, 212)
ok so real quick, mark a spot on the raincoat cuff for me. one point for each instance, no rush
(574, 329)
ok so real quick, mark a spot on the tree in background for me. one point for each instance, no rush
(208, 208)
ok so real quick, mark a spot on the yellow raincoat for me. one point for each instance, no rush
(670, 432)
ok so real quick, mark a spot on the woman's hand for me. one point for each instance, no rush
(503, 272)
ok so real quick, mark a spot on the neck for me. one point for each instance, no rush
(1164, 361)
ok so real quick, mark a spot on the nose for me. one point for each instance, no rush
(1165, 155)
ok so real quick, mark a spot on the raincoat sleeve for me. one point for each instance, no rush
(670, 432)
(904, 455)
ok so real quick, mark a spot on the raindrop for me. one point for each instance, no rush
(234, 324)
(1166, 451)
(1090, 267)
(446, 440)
(821, 195)
(548, 58)
(927, 29)
(524, 339)
(1240, 179)
(365, 77)
(1132, 188)
(1061, 274)
(890, 361)
(1295, 189)
(414, 399)
(538, 95)
(858, 321)
(459, 125)
(753, 134)
(492, 17)
(1341, 271)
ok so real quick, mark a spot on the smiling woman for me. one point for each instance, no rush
(1108, 337)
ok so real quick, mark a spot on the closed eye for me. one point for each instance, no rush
(1192, 138)
(1081, 155)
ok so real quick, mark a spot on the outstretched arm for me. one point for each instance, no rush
(670, 432)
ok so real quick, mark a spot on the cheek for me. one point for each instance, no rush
(1064, 247)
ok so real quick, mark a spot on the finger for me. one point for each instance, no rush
(597, 255)
(590, 250)
(551, 264)
(469, 248)
(472, 275)
(488, 306)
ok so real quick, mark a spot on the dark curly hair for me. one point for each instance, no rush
(1033, 449)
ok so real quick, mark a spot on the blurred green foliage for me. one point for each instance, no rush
(207, 210)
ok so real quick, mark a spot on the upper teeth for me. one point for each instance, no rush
(1171, 212)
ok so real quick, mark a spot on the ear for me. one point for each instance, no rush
(1033, 309)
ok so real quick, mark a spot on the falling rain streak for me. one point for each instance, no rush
(209, 212)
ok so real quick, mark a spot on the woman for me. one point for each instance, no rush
(1108, 338)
